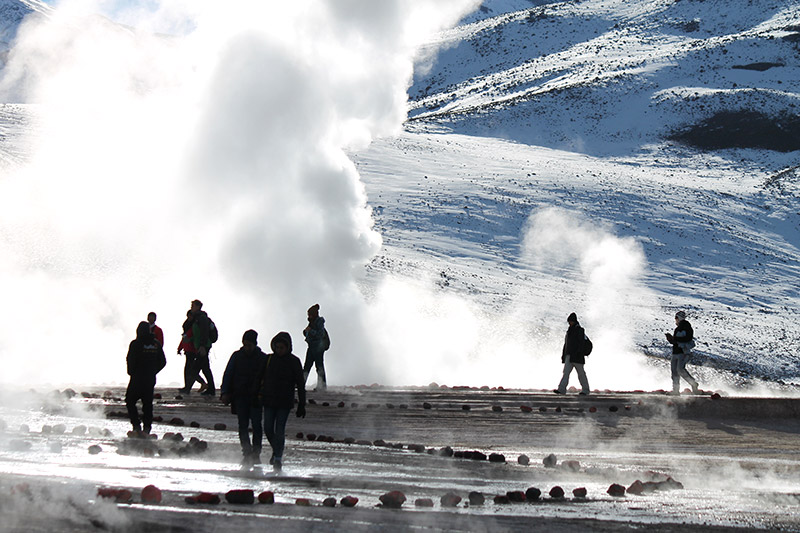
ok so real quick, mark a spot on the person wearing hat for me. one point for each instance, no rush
(572, 355)
(318, 341)
(682, 340)
(282, 374)
(145, 359)
(240, 388)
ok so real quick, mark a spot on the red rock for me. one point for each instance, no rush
(558, 409)
(208, 498)
(107, 492)
(447, 451)
(329, 502)
(300, 435)
(124, 496)
(616, 490)
(243, 496)
(151, 494)
(516, 496)
(497, 458)
(94, 449)
(716, 396)
(532, 494)
(312, 401)
(450, 500)
(177, 421)
(543, 409)
(219, 426)
(613, 408)
(340, 404)
(501, 499)
(526, 408)
(524, 460)
(349, 501)
(311, 436)
(379, 443)
(194, 424)
(303, 502)
(423, 502)
(497, 409)
(550, 461)
(465, 407)
(393, 499)
(593, 409)
(158, 419)
(476, 498)
(157, 396)
(267, 497)
(108, 394)
(579, 493)
(426, 405)
(556, 492)
(637, 487)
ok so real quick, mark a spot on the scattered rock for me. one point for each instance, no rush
(329, 502)
(613, 408)
(119, 495)
(393, 499)
(380, 443)
(17, 445)
(616, 490)
(79, 430)
(447, 451)
(637, 487)
(340, 404)
(465, 407)
(524, 460)
(303, 502)
(476, 498)
(177, 421)
(593, 409)
(526, 408)
(556, 492)
(550, 461)
(349, 501)
(219, 426)
(266, 497)
(157, 396)
(572, 465)
(207, 498)
(426, 405)
(300, 435)
(194, 424)
(516, 496)
(501, 499)
(497, 458)
(240, 496)
(423, 502)
(579, 493)
(543, 409)
(716, 396)
(497, 408)
(311, 436)
(60, 429)
(94, 449)
(69, 393)
(533, 494)
(450, 499)
(151, 494)
(55, 447)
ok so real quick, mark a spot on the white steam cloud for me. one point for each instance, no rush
(205, 162)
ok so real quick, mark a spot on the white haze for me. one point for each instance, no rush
(211, 164)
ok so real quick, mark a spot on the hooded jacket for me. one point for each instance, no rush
(573, 345)
(281, 376)
(683, 333)
(145, 355)
(241, 375)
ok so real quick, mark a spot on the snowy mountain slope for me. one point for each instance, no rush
(11, 14)
(607, 75)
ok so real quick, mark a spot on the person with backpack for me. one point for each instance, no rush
(282, 374)
(145, 359)
(191, 372)
(204, 334)
(682, 341)
(240, 388)
(318, 342)
(573, 355)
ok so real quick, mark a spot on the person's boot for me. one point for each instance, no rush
(305, 376)
(321, 383)
(277, 465)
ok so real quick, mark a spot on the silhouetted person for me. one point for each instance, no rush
(190, 367)
(682, 340)
(145, 360)
(317, 340)
(282, 374)
(572, 355)
(240, 386)
(155, 330)
(201, 339)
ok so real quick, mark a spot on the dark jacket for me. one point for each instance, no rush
(315, 335)
(573, 345)
(201, 327)
(683, 333)
(281, 376)
(241, 375)
(145, 356)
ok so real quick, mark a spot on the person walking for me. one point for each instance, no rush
(240, 388)
(318, 341)
(145, 359)
(682, 341)
(282, 374)
(155, 330)
(201, 339)
(572, 355)
(191, 371)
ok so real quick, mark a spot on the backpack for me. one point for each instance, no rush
(326, 340)
(587, 345)
(213, 334)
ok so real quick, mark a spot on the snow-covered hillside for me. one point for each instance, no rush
(588, 94)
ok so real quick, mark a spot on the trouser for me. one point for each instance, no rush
(199, 363)
(568, 366)
(678, 366)
(315, 358)
(249, 414)
(275, 428)
(140, 389)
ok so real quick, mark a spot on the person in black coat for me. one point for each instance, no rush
(682, 340)
(240, 386)
(572, 355)
(145, 359)
(283, 373)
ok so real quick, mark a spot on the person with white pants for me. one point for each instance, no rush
(572, 355)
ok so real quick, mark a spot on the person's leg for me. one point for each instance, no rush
(562, 387)
(205, 368)
(258, 430)
(279, 438)
(682, 360)
(582, 378)
(243, 416)
(319, 362)
(147, 406)
(309, 362)
(190, 372)
(676, 380)
(269, 426)
(131, 398)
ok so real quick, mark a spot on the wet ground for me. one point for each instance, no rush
(737, 460)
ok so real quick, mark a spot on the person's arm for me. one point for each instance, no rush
(131, 360)
(226, 389)
(300, 382)
(162, 360)
(316, 330)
